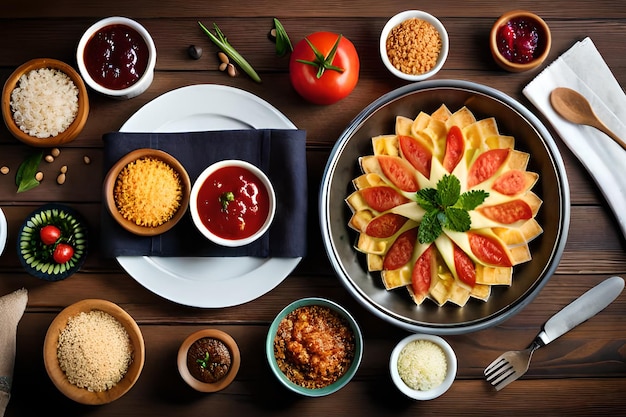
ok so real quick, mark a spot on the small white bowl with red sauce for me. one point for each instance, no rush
(116, 57)
(520, 41)
(232, 203)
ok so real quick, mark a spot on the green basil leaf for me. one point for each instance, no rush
(471, 199)
(25, 176)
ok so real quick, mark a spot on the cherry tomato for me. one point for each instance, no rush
(465, 268)
(324, 78)
(385, 225)
(455, 145)
(488, 250)
(422, 272)
(382, 197)
(62, 253)
(399, 172)
(49, 234)
(486, 166)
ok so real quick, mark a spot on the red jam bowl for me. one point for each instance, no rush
(520, 41)
(232, 203)
(116, 57)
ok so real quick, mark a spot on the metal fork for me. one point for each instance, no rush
(511, 365)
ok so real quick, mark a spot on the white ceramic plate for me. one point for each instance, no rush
(3, 231)
(207, 282)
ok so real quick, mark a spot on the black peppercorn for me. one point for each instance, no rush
(194, 51)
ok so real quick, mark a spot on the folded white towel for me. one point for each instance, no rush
(583, 69)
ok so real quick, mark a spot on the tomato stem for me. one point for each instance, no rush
(323, 63)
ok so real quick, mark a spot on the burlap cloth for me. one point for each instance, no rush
(12, 308)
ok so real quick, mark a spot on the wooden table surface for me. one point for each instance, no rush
(582, 373)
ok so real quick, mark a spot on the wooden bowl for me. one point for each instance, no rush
(543, 46)
(58, 376)
(209, 386)
(109, 186)
(72, 131)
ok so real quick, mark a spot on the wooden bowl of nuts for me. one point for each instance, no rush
(147, 191)
(414, 45)
(94, 352)
(36, 118)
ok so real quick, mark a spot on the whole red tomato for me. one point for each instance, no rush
(49, 234)
(324, 67)
(62, 253)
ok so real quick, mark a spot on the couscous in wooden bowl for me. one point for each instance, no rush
(45, 74)
(82, 352)
(112, 198)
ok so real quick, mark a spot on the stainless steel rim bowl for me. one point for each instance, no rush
(528, 279)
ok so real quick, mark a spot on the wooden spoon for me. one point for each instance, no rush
(574, 107)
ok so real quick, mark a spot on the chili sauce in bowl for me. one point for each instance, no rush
(232, 203)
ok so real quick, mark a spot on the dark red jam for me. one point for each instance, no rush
(116, 56)
(520, 40)
(233, 203)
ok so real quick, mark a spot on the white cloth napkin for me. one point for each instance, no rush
(583, 69)
(12, 308)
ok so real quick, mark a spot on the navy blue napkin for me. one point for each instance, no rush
(280, 153)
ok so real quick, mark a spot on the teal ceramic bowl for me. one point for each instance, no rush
(339, 383)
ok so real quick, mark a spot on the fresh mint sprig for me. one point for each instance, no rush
(446, 208)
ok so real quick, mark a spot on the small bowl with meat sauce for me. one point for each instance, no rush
(232, 203)
(520, 41)
(208, 360)
(116, 57)
(314, 347)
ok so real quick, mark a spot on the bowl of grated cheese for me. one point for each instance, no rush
(94, 351)
(423, 366)
(45, 103)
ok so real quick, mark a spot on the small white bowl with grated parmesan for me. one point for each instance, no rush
(423, 366)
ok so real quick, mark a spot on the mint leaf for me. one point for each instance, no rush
(446, 208)
(448, 190)
(456, 219)
(471, 199)
(430, 228)
(426, 198)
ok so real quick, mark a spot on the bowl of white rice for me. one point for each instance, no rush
(423, 366)
(45, 103)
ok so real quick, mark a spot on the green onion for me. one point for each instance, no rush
(220, 40)
(283, 44)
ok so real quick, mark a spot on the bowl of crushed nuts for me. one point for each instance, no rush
(414, 45)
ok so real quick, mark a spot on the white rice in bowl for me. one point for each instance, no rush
(422, 365)
(44, 102)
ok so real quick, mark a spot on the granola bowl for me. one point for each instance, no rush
(423, 35)
(340, 330)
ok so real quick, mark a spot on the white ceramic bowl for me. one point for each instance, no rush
(398, 19)
(193, 203)
(142, 84)
(434, 392)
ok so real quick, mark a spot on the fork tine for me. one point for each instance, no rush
(501, 375)
(507, 381)
(495, 366)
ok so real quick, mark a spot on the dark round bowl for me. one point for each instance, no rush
(378, 118)
(29, 245)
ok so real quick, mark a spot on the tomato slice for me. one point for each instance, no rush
(465, 268)
(385, 225)
(508, 212)
(400, 252)
(417, 154)
(510, 183)
(486, 165)
(488, 250)
(455, 146)
(422, 270)
(382, 198)
(399, 172)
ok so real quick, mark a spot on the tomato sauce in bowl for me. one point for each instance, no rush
(232, 203)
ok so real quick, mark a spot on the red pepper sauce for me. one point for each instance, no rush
(238, 216)
(116, 56)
